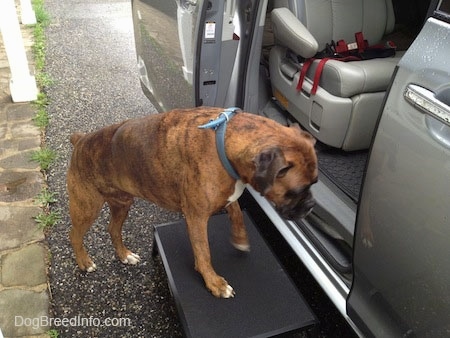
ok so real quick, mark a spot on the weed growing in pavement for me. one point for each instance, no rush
(46, 219)
(43, 79)
(45, 198)
(44, 157)
(41, 118)
(53, 333)
(42, 100)
(43, 20)
(41, 14)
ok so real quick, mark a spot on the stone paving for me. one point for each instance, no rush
(24, 287)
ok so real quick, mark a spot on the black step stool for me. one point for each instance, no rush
(266, 302)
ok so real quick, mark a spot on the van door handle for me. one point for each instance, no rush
(427, 102)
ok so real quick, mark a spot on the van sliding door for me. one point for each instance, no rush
(402, 257)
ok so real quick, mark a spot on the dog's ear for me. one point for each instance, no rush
(269, 164)
(296, 126)
(309, 137)
(304, 133)
(74, 138)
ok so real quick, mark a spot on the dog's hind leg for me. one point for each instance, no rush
(239, 237)
(119, 211)
(84, 208)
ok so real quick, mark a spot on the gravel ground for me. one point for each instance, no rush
(91, 58)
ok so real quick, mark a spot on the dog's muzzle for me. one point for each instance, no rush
(298, 207)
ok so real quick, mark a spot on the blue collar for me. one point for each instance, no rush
(220, 126)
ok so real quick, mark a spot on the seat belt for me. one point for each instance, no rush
(319, 70)
(344, 52)
(303, 71)
(318, 74)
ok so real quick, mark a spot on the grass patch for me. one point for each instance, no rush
(42, 100)
(44, 156)
(53, 333)
(47, 219)
(42, 16)
(43, 79)
(41, 118)
(39, 51)
(43, 20)
(45, 198)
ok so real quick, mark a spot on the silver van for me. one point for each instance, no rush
(370, 79)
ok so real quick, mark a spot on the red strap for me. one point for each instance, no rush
(320, 67)
(359, 37)
(318, 74)
(319, 71)
(303, 71)
(341, 47)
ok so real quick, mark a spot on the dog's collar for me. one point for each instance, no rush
(220, 126)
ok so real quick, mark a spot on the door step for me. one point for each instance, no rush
(266, 303)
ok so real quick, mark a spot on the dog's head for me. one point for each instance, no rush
(285, 173)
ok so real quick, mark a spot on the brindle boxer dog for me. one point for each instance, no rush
(165, 158)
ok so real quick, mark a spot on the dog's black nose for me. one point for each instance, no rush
(299, 210)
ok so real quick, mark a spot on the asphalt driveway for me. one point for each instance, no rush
(91, 58)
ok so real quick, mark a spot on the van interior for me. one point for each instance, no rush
(343, 110)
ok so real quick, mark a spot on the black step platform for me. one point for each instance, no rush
(266, 302)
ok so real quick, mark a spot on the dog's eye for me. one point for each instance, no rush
(283, 171)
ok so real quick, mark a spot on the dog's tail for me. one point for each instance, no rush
(74, 138)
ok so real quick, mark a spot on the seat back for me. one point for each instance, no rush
(329, 20)
(344, 110)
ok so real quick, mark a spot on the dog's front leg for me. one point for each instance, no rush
(239, 237)
(198, 234)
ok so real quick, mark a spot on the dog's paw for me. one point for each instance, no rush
(85, 263)
(367, 237)
(221, 289)
(91, 268)
(132, 259)
(242, 247)
(228, 292)
(367, 243)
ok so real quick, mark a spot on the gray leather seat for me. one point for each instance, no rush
(345, 108)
